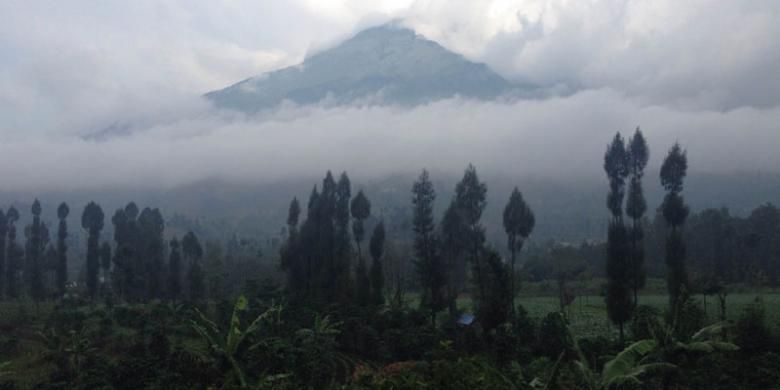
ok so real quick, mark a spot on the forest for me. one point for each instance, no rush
(350, 295)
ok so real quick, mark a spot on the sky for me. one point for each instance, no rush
(701, 72)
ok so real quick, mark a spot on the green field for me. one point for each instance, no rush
(588, 315)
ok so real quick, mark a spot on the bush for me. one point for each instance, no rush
(129, 317)
(595, 349)
(553, 336)
(688, 320)
(644, 321)
(751, 331)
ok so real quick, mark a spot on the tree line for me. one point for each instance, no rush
(137, 267)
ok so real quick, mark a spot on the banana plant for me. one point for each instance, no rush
(226, 346)
(640, 359)
(632, 364)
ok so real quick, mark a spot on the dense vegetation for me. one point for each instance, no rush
(352, 301)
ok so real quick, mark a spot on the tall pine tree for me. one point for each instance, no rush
(15, 253)
(377, 249)
(34, 255)
(361, 210)
(174, 271)
(454, 244)
(291, 260)
(470, 202)
(429, 263)
(519, 222)
(636, 206)
(105, 263)
(673, 171)
(618, 265)
(193, 252)
(92, 221)
(62, 249)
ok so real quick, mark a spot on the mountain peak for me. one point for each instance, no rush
(387, 64)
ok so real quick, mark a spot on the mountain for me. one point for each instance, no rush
(385, 65)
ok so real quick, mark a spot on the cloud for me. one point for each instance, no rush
(560, 137)
(702, 72)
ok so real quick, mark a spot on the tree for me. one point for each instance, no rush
(494, 307)
(636, 206)
(673, 171)
(618, 298)
(470, 201)
(341, 258)
(193, 252)
(105, 260)
(618, 265)
(290, 255)
(518, 223)
(92, 221)
(174, 271)
(377, 248)
(428, 262)
(3, 265)
(34, 253)
(152, 226)
(62, 248)
(128, 275)
(15, 253)
(454, 243)
(361, 209)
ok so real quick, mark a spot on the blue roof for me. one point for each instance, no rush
(466, 319)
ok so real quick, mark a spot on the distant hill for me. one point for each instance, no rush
(384, 65)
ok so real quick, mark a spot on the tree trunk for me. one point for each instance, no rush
(514, 276)
(478, 265)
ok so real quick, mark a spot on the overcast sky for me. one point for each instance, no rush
(704, 72)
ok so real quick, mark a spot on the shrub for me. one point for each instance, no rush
(752, 333)
(644, 321)
(553, 336)
(688, 319)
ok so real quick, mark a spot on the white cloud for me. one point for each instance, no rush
(560, 137)
(701, 71)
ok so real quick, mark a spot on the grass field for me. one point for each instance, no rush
(588, 314)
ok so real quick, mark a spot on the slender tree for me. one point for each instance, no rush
(291, 260)
(193, 252)
(92, 221)
(341, 254)
(174, 271)
(361, 210)
(429, 263)
(519, 222)
(105, 261)
(673, 171)
(494, 307)
(454, 244)
(62, 249)
(636, 206)
(14, 257)
(618, 265)
(377, 249)
(152, 226)
(34, 255)
(470, 202)
(3, 266)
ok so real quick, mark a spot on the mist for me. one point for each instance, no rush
(110, 97)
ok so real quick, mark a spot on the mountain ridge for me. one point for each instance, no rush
(386, 64)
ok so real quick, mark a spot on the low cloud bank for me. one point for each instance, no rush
(562, 138)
